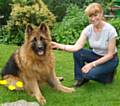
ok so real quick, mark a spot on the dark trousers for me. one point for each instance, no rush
(99, 73)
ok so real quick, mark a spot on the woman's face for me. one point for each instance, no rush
(95, 18)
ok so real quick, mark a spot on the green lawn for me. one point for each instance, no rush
(90, 94)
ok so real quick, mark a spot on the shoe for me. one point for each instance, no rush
(79, 83)
(110, 78)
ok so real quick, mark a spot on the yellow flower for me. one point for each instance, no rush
(36, 7)
(19, 84)
(3, 82)
(17, 23)
(11, 87)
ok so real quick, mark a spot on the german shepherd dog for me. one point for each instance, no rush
(33, 64)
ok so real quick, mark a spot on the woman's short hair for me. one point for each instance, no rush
(93, 8)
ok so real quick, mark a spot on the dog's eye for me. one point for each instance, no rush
(35, 39)
(41, 38)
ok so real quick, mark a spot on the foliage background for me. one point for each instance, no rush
(59, 7)
(65, 17)
(68, 31)
(5, 10)
(116, 23)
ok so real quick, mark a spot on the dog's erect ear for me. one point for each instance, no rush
(43, 28)
(29, 29)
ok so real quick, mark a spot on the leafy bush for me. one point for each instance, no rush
(116, 23)
(68, 31)
(22, 13)
(59, 7)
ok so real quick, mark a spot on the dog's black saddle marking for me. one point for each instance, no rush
(11, 67)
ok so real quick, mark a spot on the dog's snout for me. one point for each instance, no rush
(41, 48)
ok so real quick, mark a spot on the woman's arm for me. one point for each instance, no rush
(71, 48)
(109, 55)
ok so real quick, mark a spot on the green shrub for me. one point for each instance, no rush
(59, 7)
(23, 13)
(116, 23)
(68, 31)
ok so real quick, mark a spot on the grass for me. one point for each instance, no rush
(90, 94)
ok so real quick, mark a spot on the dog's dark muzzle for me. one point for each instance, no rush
(40, 50)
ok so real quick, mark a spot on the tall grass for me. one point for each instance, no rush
(90, 94)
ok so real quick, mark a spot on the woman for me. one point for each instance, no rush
(96, 64)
